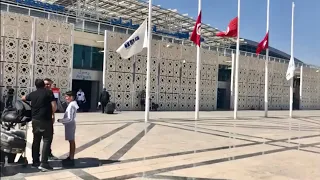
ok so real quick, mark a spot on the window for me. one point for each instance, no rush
(91, 26)
(58, 17)
(38, 14)
(87, 57)
(16, 9)
(104, 27)
(3, 7)
(120, 30)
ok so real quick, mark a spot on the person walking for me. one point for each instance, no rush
(48, 83)
(104, 99)
(43, 105)
(81, 99)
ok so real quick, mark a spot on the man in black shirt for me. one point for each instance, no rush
(48, 83)
(43, 105)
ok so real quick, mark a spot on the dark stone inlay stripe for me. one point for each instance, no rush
(117, 155)
(308, 121)
(209, 162)
(218, 148)
(95, 141)
(180, 178)
(269, 140)
(83, 175)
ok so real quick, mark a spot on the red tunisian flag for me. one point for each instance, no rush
(232, 30)
(196, 33)
(264, 44)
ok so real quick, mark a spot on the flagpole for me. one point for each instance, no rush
(198, 71)
(232, 79)
(105, 56)
(301, 87)
(292, 57)
(266, 83)
(236, 88)
(147, 106)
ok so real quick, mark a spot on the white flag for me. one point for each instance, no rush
(291, 69)
(136, 42)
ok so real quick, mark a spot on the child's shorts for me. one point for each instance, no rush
(70, 131)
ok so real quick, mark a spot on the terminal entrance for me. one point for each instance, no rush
(91, 91)
(86, 88)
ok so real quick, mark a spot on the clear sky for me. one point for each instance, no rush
(218, 13)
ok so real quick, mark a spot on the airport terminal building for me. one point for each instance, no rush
(63, 40)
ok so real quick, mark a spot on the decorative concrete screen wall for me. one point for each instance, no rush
(172, 80)
(252, 82)
(310, 89)
(34, 48)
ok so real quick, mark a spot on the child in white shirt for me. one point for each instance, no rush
(70, 126)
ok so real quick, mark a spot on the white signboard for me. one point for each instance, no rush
(88, 75)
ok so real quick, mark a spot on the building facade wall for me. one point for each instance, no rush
(34, 48)
(310, 98)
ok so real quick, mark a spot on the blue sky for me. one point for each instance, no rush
(218, 13)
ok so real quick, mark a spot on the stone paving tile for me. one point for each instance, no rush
(174, 146)
(288, 165)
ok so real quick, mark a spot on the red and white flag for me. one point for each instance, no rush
(232, 30)
(196, 33)
(264, 44)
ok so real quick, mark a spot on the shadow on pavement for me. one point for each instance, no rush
(14, 169)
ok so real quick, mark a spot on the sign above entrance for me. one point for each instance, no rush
(88, 75)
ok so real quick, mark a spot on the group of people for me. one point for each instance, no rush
(43, 108)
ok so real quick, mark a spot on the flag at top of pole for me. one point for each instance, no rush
(232, 30)
(291, 66)
(264, 44)
(196, 33)
(135, 43)
(291, 69)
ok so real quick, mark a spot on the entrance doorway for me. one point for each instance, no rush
(86, 88)
(222, 101)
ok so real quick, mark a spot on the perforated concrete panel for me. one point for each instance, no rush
(26, 57)
(310, 89)
(172, 81)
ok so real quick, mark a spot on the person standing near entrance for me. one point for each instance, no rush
(43, 105)
(48, 83)
(10, 96)
(104, 99)
(81, 98)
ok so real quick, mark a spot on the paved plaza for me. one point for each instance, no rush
(174, 146)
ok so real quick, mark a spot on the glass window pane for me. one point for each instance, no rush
(20, 10)
(86, 60)
(104, 27)
(91, 27)
(3, 7)
(77, 56)
(120, 30)
(97, 59)
(38, 14)
(131, 31)
(58, 17)
(156, 37)
(78, 24)
(71, 20)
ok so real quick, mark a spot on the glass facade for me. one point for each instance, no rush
(87, 57)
